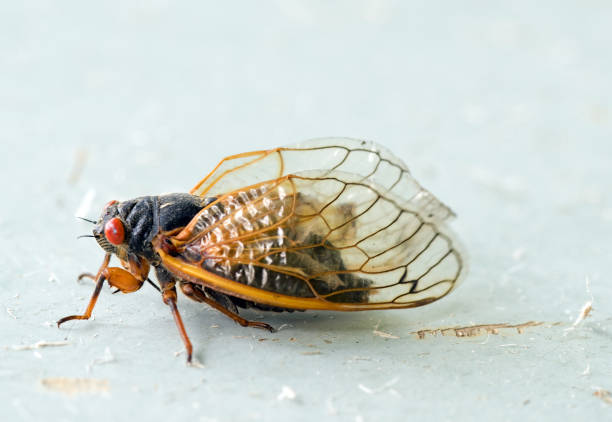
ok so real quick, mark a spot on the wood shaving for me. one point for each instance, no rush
(604, 395)
(383, 334)
(72, 386)
(586, 309)
(476, 330)
(38, 345)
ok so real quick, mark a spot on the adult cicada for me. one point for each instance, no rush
(335, 224)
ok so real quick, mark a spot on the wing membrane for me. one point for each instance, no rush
(371, 162)
(320, 239)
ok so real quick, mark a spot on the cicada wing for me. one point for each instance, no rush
(371, 162)
(329, 237)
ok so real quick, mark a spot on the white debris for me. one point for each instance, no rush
(286, 393)
(195, 363)
(10, 312)
(518, 254)
(107, 358)
(587, 370)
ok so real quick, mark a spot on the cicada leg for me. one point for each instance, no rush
(200, 296)
(100, 278)
(169, 297)
(168, 289)
(119, 278)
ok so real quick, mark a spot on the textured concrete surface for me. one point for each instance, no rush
(502, 111)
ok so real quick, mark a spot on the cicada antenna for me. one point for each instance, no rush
(87, 219)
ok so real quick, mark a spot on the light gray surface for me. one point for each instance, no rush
(502, 111)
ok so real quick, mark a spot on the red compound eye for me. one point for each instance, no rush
(114, 231)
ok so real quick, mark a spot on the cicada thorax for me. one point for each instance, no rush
(272, 237)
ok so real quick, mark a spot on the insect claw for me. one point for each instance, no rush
(117, 291)
(86, 275)
(258, 324)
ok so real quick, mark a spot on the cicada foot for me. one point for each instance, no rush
(198, 295)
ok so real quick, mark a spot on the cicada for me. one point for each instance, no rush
(331, 224)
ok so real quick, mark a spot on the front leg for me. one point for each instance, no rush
(100, 277)
(123, 280)
(168, 288)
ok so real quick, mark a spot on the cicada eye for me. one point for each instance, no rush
(114, 231)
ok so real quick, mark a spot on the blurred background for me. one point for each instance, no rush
(501, 110)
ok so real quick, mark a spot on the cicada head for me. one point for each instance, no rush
(127, 228)
(111, 232)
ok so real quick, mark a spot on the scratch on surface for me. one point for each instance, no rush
(38, 345)
(85, 204)
(604, 395)
(385, 387)
(587, 370)
(107, 358)
(10, 312)
(80, 158)
(73, 386)
(475, 330)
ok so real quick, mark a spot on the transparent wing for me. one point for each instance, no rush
(368, 160)
(327, 236)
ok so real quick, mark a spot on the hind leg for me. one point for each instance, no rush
(195, 293)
